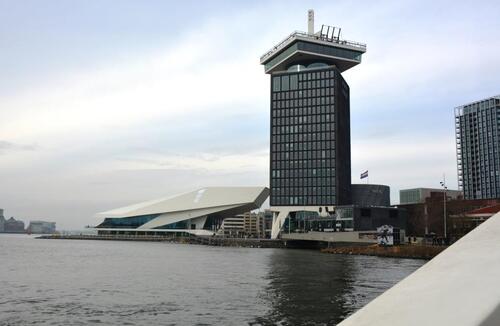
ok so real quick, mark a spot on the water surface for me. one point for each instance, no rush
(81, 282)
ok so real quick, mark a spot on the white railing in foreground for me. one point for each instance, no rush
(459, 287)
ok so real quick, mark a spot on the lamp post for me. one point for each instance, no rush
(443, 184)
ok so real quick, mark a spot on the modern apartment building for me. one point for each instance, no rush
(477, 128)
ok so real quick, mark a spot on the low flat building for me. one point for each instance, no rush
(428, 217)
(346, 219)
(369, 210)
(419, 195)
(199, 212)
(41, 227)
(463, 223)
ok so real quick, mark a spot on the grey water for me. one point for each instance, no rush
(82, 282)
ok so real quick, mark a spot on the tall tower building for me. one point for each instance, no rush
(310, 157)
(477, 129)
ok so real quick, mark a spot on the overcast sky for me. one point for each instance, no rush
(107, 103)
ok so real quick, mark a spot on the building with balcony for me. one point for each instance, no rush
(477, 131)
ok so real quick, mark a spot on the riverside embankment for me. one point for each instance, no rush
(210, 241)
(401, 251)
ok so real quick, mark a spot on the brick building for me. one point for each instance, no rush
(427, 217)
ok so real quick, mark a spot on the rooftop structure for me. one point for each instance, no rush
(300, 47)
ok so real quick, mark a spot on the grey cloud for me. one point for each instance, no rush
(9, 146)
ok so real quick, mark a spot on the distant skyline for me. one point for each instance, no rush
(108, 103)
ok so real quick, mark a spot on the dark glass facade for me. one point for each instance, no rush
(126, 222)
(310, 138)
(478, 148)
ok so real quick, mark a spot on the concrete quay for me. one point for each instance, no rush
(202, 240)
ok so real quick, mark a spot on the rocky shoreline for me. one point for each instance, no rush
(210, 241)
(401, 251)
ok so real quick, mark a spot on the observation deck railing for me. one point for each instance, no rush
(324, 38)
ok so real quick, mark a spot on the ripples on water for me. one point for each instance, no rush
(72, 282)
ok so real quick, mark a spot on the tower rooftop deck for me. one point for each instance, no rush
(300, 46)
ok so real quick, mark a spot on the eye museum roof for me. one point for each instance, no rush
(196, 212)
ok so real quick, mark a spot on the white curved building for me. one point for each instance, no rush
(199, 212)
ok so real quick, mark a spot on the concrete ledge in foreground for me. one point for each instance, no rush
(459, 287)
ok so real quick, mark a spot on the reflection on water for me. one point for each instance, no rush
(62, 282)
(310, 288)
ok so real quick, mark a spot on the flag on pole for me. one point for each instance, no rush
(364, 175)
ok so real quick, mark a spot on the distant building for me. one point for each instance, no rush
(419, 195)
(267, 215)
(13, 226)
(41, 227)
(478, 148)
(371, 195)
(244, 225)
(427, 217)
(254, 225)
(233, 226)
(463, 223)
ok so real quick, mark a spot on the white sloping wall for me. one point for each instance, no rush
(459, 287)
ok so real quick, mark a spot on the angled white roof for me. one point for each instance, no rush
(210, 197)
